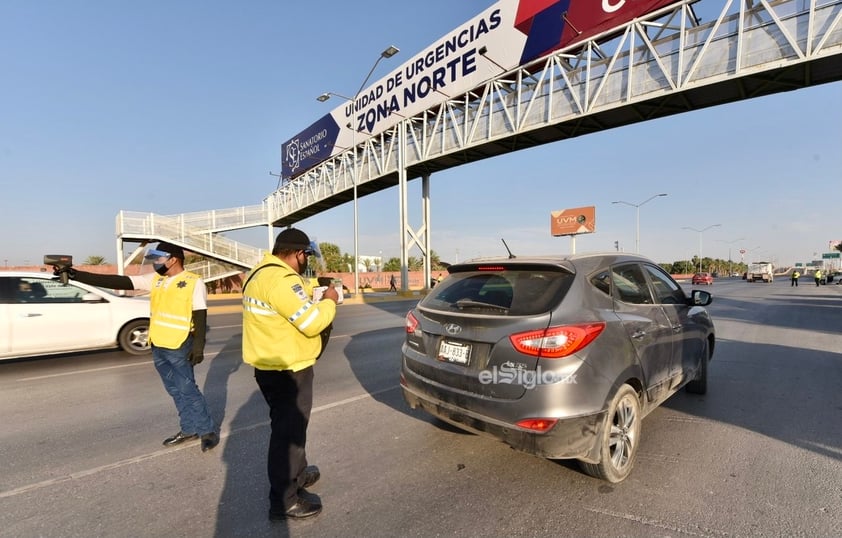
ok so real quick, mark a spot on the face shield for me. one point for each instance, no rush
(157, 259)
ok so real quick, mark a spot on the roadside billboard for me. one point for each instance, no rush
(508, 34)
(578, 220)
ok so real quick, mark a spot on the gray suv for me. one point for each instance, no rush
(560, 357)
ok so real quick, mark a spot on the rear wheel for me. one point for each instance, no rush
(620, 438)
(699, 384)
(134, 337)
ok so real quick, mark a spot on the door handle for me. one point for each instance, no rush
(638, 334)
(31, 315)
(676, 328)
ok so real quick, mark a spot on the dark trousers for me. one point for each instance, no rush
(794, 283)
(290, 398)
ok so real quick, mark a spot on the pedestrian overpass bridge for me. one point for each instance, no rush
(665, 63)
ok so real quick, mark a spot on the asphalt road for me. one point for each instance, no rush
(759, 455)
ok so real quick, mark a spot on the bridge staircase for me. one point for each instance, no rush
(200, 233)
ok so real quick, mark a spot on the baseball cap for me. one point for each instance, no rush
(293, 239)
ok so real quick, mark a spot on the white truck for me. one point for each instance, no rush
(760, 271)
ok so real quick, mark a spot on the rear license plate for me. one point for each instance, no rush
(453, 352)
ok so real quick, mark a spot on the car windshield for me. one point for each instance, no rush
(513, 292)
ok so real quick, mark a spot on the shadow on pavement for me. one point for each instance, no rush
(221, 368)
(381, 378)
(243, 504)
(786, 393)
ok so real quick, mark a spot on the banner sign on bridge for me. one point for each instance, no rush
(508, 34)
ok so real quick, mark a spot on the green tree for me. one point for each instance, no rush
(414, 264)
(435, 262)
(332, 258)
(95, 260)
(392, 264)
(347, 263)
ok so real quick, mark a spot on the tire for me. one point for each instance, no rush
(134, 337)
(699, 384)
(620, 438)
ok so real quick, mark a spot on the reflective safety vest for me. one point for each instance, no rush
(172, 309)
(281, 324)
(796, 274)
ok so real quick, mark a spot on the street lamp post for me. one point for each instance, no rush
(700, 239)
(729, 250)
(637, 218)
(387, 53)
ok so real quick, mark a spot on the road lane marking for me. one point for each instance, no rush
(74, 372)
(700, 531)
(162, 452)
(208, 356)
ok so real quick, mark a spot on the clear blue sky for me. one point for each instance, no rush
(172, 107)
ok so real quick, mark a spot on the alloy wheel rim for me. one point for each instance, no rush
(623, 435)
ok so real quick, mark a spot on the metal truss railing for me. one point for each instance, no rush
(222, 220)
(211, 270)
(177, 229)
(666, 52)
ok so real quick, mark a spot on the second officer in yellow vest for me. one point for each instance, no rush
(177, 326)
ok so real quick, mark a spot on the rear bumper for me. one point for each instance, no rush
(573, 437)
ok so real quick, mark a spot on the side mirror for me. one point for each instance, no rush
(700, 298)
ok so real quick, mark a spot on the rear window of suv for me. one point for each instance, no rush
(514, 292)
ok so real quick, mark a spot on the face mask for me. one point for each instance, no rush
(160, 268)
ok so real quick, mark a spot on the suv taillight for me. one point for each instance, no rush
(556, 342)
(411, 323)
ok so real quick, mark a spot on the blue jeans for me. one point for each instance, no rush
(177, 374)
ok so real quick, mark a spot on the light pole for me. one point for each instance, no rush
(387, 53)
(637, 218)
(729, 250)
(700, 239)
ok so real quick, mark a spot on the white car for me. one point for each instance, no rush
(39, 316)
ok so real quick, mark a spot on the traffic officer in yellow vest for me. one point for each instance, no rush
(282, 338)
(795, 276)
(177, 326)
(818, 275)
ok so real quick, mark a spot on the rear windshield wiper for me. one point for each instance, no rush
(461, 304)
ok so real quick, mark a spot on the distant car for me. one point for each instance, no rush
(702, 278)
(41, 316)
(560, 357)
